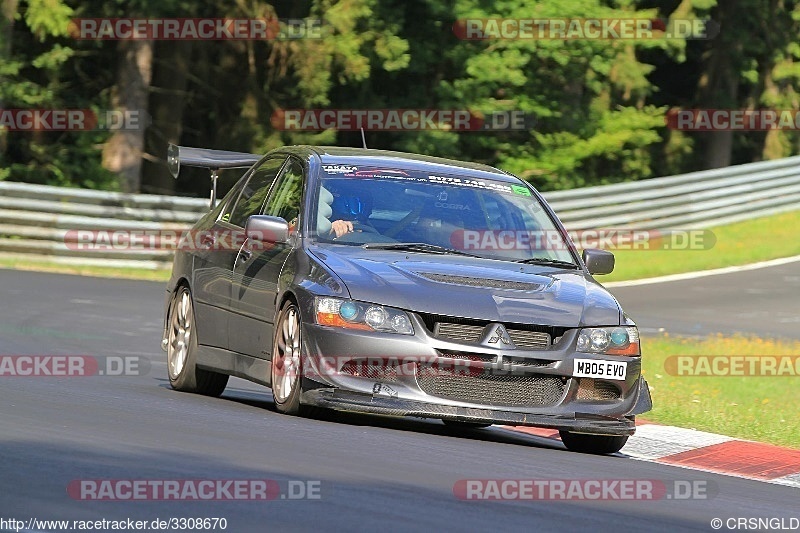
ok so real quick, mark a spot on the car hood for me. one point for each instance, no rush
(468, 287)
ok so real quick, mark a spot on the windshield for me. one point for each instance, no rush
(484, 217)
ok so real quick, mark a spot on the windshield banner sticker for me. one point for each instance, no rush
(347, 171)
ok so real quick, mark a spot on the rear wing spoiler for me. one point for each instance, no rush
(214, 160)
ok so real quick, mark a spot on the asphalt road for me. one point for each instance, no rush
(765, 302)
(374, 474)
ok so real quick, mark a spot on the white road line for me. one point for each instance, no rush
(703, 273)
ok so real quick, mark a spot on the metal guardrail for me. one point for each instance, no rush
(687, 201)
(35, 219)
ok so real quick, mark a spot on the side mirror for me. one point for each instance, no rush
(598, 261)
(267, 229)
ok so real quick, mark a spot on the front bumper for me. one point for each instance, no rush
(328, 383)
(363, 403)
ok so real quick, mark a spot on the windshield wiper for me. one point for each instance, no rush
(548, 262)
(416, 247)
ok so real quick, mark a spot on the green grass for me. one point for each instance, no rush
(22, 263)
(755, 408)
(736, 244)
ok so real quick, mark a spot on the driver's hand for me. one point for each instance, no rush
(341, 227)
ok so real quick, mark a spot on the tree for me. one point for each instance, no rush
(123, 151)
(599, 105)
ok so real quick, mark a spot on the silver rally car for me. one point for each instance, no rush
(398, 284)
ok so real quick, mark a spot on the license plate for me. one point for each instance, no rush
(599, 369)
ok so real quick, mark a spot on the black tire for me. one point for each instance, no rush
(458, 424)
(287, 361)
(182, 369)
(594, 444)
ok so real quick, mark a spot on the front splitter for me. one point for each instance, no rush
(380, 405)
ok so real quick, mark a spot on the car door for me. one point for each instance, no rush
(213, 259)
(257, 267)
(249, 202)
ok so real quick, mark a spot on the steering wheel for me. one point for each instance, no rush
(405, 221)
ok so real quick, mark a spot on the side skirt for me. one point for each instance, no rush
(235, 364)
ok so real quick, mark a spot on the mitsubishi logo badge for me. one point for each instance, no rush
(500, 335)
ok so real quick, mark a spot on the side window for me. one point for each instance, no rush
(285, 199)
(255, 191)
(225, 205)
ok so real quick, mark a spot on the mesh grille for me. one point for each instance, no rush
(529, 339)
(461, 332)
(481, 282)
(593, 389)
(472, 333)
(493, 389)
(431, 320)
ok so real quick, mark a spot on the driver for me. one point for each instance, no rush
(349, 208)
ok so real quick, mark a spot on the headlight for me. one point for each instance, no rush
(356, 315)
(621, 340)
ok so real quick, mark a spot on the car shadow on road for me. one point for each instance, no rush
(261, 398)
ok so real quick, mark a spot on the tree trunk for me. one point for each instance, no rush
(719, 85)
(167, 102)
(122, 153)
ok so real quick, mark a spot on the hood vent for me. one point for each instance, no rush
(481, 282)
